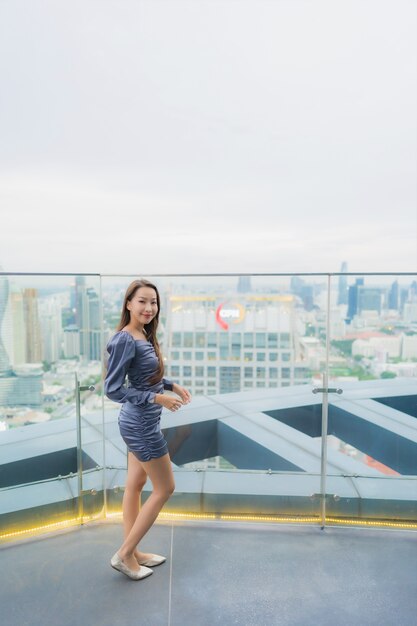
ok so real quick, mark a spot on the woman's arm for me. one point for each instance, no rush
(121, 349)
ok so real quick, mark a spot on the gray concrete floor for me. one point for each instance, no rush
(216, 573)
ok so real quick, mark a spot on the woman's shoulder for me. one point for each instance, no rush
(121, 337)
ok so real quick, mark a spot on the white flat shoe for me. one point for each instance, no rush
(155, 559)
(117, 563)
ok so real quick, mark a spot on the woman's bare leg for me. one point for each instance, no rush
(162, 478)
(135, 482)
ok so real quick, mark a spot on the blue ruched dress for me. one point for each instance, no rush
(139, 417)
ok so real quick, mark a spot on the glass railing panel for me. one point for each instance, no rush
(89, 379)
(250, 349)
(373, 423)
(50, 331)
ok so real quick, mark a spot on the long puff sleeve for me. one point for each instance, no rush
(121, 349)
(168, 384)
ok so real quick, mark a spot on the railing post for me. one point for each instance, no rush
(78, 390)
(79, 450)
(325, 413)
(323, 468)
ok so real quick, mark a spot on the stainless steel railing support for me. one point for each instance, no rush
(323, 468)
(325, 413)
(78, 389)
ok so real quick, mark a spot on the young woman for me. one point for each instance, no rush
(134, 350)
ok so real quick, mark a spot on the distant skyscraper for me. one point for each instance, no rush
(244, 284)
(353, 297)
(51, 326)
(22, 387)
(369, 299)
(94, 343)
(4, 296)
(303, 291)
(296, 284)
(33, 329)
(88, 320)
(18, 328)
(71, 341)
(76, 298)
(343, 286)
(403, 297)
(410, 304)
(410, 312)
(394, 296)
(307, 296)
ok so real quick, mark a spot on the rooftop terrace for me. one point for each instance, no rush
(216, 573)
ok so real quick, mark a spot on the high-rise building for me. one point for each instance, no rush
(394, 296)
(244, 284)
(221, 345)
(303, 291)
(94, 336)
(410, 312)
(77, 292)
(369, 299)
(18, 328)
(51, 331)
(81, 314)
(409, 347)
(71, 341)
(403, 297)
(21, 385)
(353, 297)
(4, 296)
(342, 296)
(32, 325)
(88, 320)
(296, 284)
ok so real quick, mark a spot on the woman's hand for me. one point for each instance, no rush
(171, 403)
(183, 393)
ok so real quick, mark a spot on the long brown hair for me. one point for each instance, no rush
(150, 329)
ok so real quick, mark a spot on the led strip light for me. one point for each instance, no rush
(207, 516)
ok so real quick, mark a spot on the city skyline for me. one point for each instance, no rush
(77, 308)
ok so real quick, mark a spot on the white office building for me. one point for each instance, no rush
(218, 345)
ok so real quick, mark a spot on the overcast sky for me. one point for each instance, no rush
(154, 136)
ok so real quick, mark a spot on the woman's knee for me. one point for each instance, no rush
(165, 492)
(136, 484)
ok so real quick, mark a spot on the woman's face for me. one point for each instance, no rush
(143, 306)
